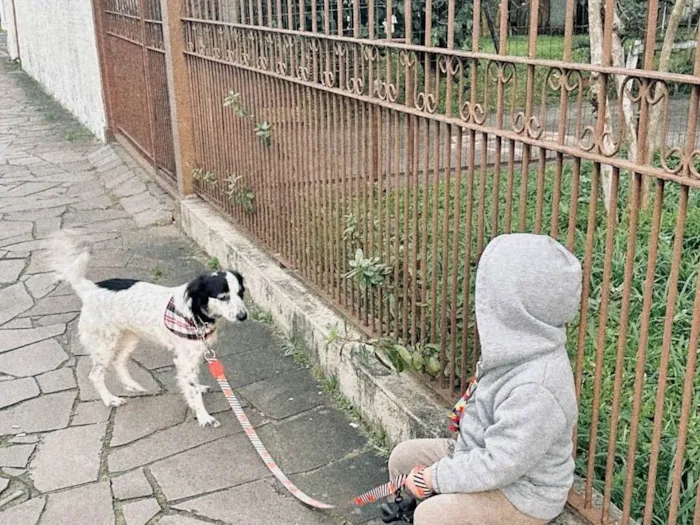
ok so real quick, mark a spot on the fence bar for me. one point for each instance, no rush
(179, 95)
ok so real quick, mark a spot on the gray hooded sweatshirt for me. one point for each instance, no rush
(516, 430)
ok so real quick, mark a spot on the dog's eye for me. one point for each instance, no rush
(224, 297)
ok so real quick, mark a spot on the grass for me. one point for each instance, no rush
(435, 202)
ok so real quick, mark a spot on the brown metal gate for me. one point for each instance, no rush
(136, 82)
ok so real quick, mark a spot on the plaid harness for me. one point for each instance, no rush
(183, 326)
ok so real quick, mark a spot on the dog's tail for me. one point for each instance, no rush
(69, 259)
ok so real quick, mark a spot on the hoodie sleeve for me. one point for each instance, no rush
(525, 426)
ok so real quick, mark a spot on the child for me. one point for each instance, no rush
(512, 461)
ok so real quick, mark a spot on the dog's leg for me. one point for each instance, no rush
(128, 344)
(187, 365)
(102, 352)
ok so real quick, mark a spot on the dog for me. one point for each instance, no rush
(117, 313)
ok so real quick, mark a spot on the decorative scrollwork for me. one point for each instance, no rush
(426, 102)
(474, 113)
(355, 85)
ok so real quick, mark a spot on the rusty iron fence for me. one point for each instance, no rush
(136, 80)
(375, 147)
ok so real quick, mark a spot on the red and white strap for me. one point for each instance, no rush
(377, 493)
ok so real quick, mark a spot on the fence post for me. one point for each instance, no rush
(179, 94)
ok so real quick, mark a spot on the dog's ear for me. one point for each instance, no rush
(198, 294)
(241, 289)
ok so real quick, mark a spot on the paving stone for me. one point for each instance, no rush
(14, 472)
(54, 305)
(16, 338)
(39, 263)
(28, 188)
(140, 512)
(312, 440)
(153, 357)
(4, 482)
(57, 381)
(87, 390)
(40, 285)
(90, 413)
(251, 504)
(252, 367)
(284, 395)
(24, 439)
(12, 241)
(171, 441)
(10, 229)
(208, 468)
(175, 519)
(59, 463)
(61, 156)
(88, 505)
(17, 390)
(139, 203)
(94, 202)
(83, 218)
(18, 323)
(131, 485)
(111, 257)
(345, 479)
(26, 513)
(152, 217)
(16, 456)
(129, 187)
(43, 228)
(118, 225)
(48, 412)
(33, 359)
(143, 416)
(48, 320)
(10, 270)
(13, 301)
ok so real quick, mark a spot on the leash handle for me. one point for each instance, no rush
(217, 371)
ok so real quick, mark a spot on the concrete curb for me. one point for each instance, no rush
(399, 404)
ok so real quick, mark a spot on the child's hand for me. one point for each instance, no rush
(420, 482)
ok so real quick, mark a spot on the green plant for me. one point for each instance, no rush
(234, 101)
(368, 272)
(157, 272)
(240, 194)
(205, 176)
(264, 131)
(213, 264)
(294, 349)
(262, 316)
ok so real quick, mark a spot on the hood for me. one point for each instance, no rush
(528, 287)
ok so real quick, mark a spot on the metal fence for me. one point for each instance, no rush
(376, 148)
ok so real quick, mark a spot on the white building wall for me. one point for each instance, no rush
(8, 24)
(58, 48)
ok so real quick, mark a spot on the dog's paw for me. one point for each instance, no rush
(204, 389)
(115, 401)
(208, 421)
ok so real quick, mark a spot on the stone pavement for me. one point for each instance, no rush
(64, 457)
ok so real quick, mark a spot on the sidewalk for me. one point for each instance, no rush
(64, 457)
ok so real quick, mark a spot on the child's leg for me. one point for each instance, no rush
(414, 452)
(483, 508)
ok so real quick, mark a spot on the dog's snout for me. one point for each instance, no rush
(242, 316)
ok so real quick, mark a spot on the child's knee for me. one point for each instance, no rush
(430, 512)
(402, 458)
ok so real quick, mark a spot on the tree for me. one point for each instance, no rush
(629, 18)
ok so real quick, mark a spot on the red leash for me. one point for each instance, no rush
(371, 496)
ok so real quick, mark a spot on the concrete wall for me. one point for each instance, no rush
(58, 48)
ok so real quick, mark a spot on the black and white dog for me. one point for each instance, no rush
(117, 313)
